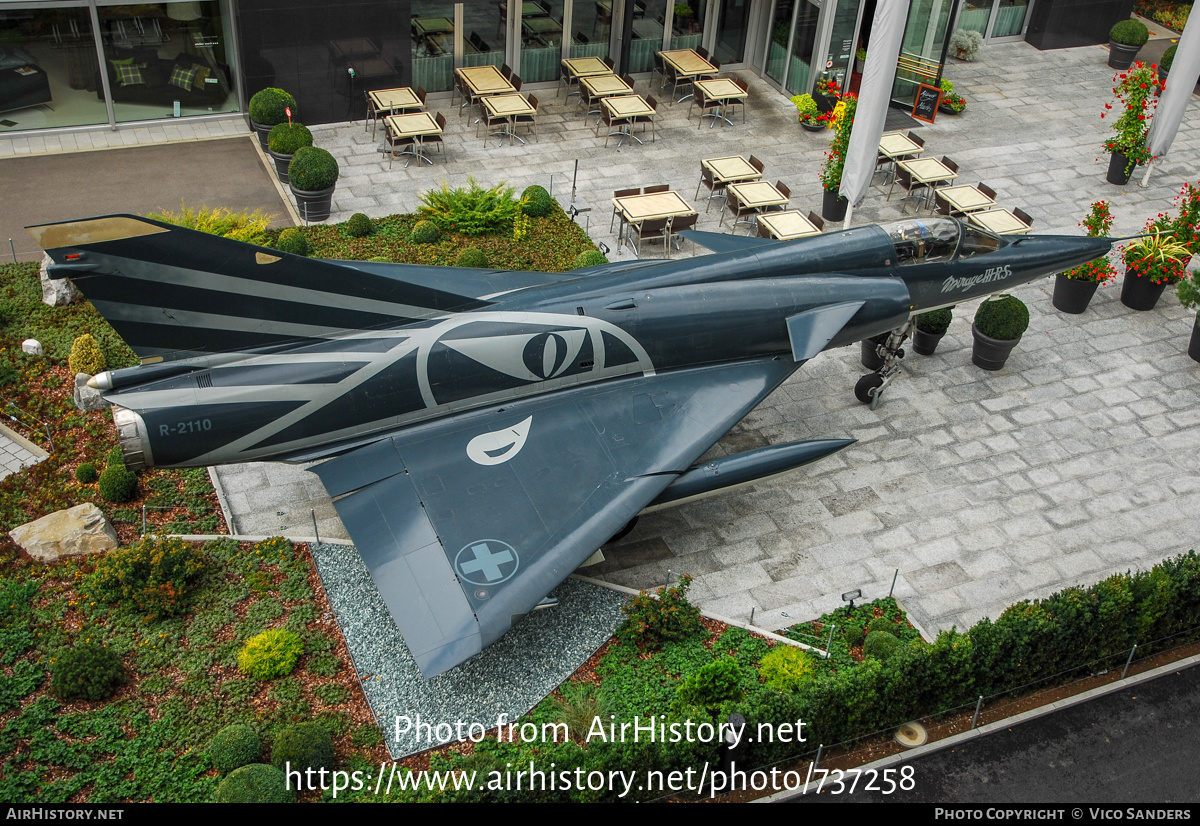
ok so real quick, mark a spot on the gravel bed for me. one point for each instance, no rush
(510, 677)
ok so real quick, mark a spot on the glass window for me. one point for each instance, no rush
(1010, 18)
(924, 242)
(432, 45)
(541, 40)
(483, 33)
(974, 15)
(921, 49)
(687, 24)
(841, 43)
(49, 75)
(732, 24)
(805, 41)
(591, 27)
(977, 241)
(648, 32)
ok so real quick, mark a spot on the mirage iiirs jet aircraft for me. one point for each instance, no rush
(482, 432)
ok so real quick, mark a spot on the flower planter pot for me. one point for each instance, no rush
(870, 358)
(1119, 169)
(262, 130)
(313, 206)
(833, 206)
(1194, 344)
(813, 127)
(925, 343)
(1121, 56)
(1140, 293)
(1071, 295)
(281, 165)
(947, 109)
(990, 353)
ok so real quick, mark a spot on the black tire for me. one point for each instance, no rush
(864, 391)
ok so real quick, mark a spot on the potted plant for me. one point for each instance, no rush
(1160, 257)
(998, 326)
(1125, 40)
(928, 329)
(684, 18)
(1137, 96)
(283, 141)
(1164, 66)
(951, 103)
(268, 108)
(809, 115)
(966, 44)
(833, 206)
(313, 173)
(1188, 291)
(1074, 288)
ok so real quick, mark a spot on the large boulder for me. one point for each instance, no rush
(85, 397)
(57, 292)
(75, 531)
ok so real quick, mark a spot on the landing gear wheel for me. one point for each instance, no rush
(867, 386)
(621, 534)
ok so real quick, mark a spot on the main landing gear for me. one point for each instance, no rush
(871, 386)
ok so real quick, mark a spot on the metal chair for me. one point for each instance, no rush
(816, 220)
(1023, 215)
(438, 138)
(655, 229)
(395, 144)
(678, 224)
(756, 163)
(621, 193)
(905, 179)
(529, 121)
(707, 179)
(649, 119)
(739, 102)
(786, 192)
(704, 102)
(735, 208)
(650, 190)
(515, 80)
(986, 190)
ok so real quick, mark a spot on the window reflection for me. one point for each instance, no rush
(541, 39)
(432, 45)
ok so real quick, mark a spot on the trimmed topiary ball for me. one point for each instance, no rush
(589, 258)
(233, 747)
(785, 668)
(301, 747)
(359, 226)
(935, 322)
(1004, 318)
(88, 671)
(270, 654)
(312, 169)
(269, 106)
(536, 202)
(86, 356)
(1168, 58)
(880, 645)
(286, 138)
(256, 783)
(882, 624)
(1129, 33)
(425, 232)
(86, 473)
(471, 257)
(117, 483)
(294, 241)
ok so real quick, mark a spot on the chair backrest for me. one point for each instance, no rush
(652, 103)
(581, 39)
(515, 80)
(783, 189)
(1023, 215)
(904, 178)
(682, 222)
(949, 164)
(731, 201)
(533, 101)
(652, 225)
(606, 117)
(706, 176)
(703, 52)
(741, 84)
(756, 163)
(608, 61)
(622, 193)
(986, 190)
(915, 138)
(940, 205)
(763, 232)
(506, 70)
(440, 120)
(650, 190)
(421, 93)
(816, 220)
(628, 80)
(715, 63)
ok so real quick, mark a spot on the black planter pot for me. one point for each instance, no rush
(1071, 295)
(1121, 56)
(281, 165)
(1194, 344)
(812, 127)
(925, 343)
(262, 130)
(1119, 169)
(833, 206)
(313, 206)
(1140, 293)
(947, 109)
(990, 353)
(1162, 75)
(870, 358)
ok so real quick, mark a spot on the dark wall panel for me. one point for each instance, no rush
(1062, 24)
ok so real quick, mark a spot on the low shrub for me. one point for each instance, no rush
(1168, 58)
(536, 202)
(118, 483)
(153, 576)
(269, 106)
(86, 356)
(233, 747)
(8, 373)
(881, 624)
(712, 685)
(425, 232)
(359, 226)
(1129, 33)
(650, 622)
(312, 169)
(880, 645)
(293, 241)
(255, 783)
(471, 257)
(935, 322)
(470, 210)
(966, 44)
(303, 746)
(86, 473)
(1004, 318)
(589, 258)
(89, 671)
(286, 138)
(785, 667)
(247, 226)
(270, 654)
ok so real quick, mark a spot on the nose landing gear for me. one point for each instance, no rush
(871, 386)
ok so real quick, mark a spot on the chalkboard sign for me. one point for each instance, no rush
(928, 98)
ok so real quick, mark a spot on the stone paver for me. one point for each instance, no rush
(17, 452)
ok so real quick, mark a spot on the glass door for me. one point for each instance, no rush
(733, 21)
(687, 24)
(922, 49)
(1009, 21)
(839, 54)
(591, 27)
(799, 60)
(433, 39)
(541, 39)
(975, 15)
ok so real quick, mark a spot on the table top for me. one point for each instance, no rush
(485, 80)
(541, 25)
(688, 62)
(965, 198)
(627, 106)
(507, 105)
(412, 124)
(757, 194)
(645, 29)
(734, 168)
(433, 25)
(401, 98)
(896, 145)
(353, 47)
(586, 66)
(721, 88)
(604, 85)
(532, 9)
(373, 67)
(787, 225)
(999, 221)
(925, 170)
(655, 205)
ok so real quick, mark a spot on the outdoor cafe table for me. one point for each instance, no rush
(541, 26)
(785, 226)
(756, 195)
(581, 67)
(965, 198)
(390, 101)
(687, 63)
(603, 86)
(896, 145)
(999, 221)
(413, 125)
(433, 25)
(508, 106)
(720, 90)
(638, 208)
(928, 171)
(731, 170)
(625, 108)
(484, 80)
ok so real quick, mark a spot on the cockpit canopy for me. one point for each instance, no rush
(920, 241)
